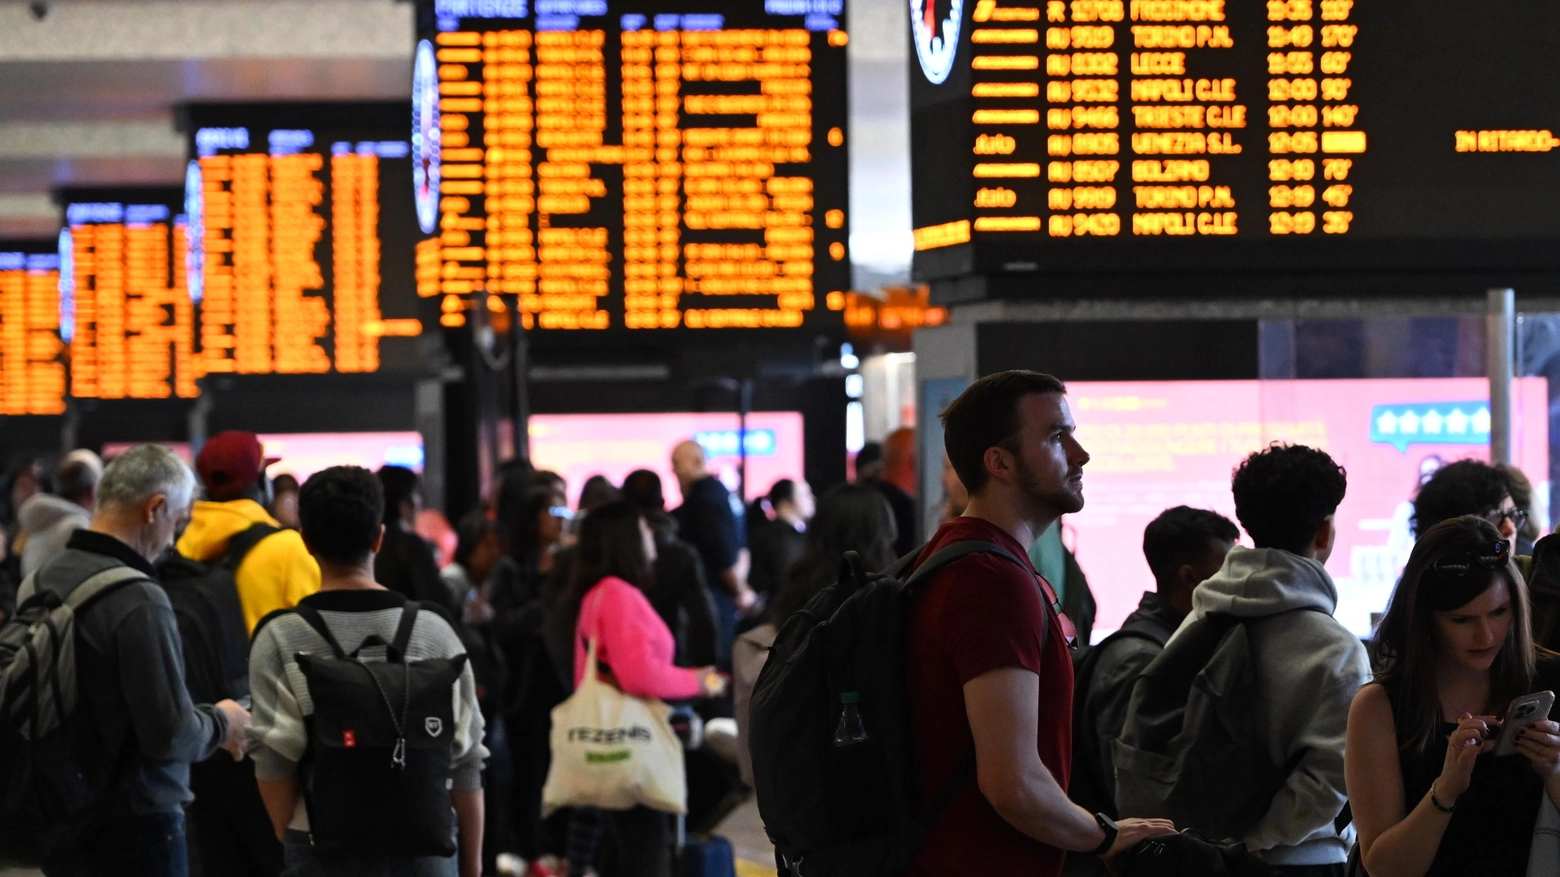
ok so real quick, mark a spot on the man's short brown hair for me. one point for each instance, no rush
(986, 416)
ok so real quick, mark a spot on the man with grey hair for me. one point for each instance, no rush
(132, 676)
(48, 519)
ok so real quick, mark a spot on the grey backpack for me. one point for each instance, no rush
(53, 770)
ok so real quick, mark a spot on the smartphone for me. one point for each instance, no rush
(1524, 711)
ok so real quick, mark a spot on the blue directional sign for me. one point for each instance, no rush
(724, 442)
(1430, 423)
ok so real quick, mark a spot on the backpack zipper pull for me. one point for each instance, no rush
(398, 757)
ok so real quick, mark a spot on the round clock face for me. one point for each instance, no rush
(194, 231)
(934, 25)
(425, 137)
(67, 286)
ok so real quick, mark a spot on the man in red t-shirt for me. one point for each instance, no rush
(989, 667)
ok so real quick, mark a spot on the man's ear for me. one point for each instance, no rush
(1325, 534)
(999, 463)
(157, 502)
(379, 540)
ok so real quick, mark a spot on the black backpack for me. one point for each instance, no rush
(837, 666)
(54, 770)
(381, 740)
(210, 616)
(1088, 786)
(1191, 750)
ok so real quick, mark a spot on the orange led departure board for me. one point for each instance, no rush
(1107, 136)
(648, 169)
(303, 237)
(32, 367)
(127, 314)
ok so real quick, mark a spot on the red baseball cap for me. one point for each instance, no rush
(232, 458)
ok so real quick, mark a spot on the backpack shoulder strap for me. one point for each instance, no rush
(240, 545)
(957, 551)
(312, 616)
(100, 584)
(403, 631)
(25, 590)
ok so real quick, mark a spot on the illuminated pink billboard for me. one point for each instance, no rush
(1157, 445)
(578, 446)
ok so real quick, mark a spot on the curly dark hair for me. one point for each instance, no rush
(1180, 536)
(1466, 487)
(340, 510)
(1283, 493)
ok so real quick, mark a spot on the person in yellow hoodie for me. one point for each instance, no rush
(228, 824)
(278, 571)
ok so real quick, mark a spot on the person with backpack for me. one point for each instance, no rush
(1184, 547)
(48, 519)
(367, 732)
(1428, 793)
(277, 571)
(989, 673)
(119, 762)
(850, 517)
(1253, 751)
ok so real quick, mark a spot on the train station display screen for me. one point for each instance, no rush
(32, 366)
(1059, 136)
(634, 166)
(301, 236)
(1157, 445)
(125, 307)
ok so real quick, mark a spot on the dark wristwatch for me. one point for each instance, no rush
(1108, 826)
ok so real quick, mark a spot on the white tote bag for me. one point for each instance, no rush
(613, 751)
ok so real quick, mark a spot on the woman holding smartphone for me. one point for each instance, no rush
(1429, 795)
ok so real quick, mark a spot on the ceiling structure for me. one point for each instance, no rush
(88, 90)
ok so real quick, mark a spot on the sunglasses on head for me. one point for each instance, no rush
(1490, 558)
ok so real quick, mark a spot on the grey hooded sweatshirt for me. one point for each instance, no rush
(48, 522)
(1308, 669)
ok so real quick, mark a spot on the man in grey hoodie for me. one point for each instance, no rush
(48, 519)
(1308, 665)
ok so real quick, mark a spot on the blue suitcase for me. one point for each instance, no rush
(708, 856)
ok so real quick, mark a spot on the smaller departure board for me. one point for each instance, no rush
(32, 366)
(301, 237)
(635, 166)
(125, 307)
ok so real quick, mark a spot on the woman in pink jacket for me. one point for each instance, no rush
(634, 652)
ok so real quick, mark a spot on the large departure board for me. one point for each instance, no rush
(636, 166)
(32, 366)
(301, 237)
(125, 309)
(1211, 135)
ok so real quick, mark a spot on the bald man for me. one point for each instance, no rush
(710, 519)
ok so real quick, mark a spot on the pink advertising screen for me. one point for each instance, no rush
(578, 446)
(1157, 445)
(305, 453)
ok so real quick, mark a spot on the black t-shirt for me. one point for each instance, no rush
(707, 521)
(1492, 830)
(903, 506)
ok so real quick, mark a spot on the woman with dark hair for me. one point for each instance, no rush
(1455, 647)
(514, 598)
(851, 517)
(635, 651)
(597, 492)
(679, 594)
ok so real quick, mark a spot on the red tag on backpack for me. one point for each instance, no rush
(349, 739)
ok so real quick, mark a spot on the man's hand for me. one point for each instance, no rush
(1131, 832)
(238, 727)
